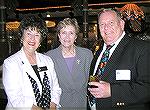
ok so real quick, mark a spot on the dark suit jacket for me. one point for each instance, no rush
(134, 55)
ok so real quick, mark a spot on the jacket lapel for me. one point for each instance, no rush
(77, 75)
(27, 68)
(92, 67)
(65, 75)
(114, 60)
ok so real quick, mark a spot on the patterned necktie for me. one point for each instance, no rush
(43, 100)
(100, 70)
(104, 60)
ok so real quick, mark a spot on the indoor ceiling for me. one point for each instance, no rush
(62, 7)
(21, 4)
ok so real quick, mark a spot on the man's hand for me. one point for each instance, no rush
(103, 89)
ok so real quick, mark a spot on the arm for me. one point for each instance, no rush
(13, 84)
(132, 91)
(55, 89)
(89, 57)
(137, 90)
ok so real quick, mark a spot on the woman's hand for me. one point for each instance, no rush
(34, 107)
(52, 106)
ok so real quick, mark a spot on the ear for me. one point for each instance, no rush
(21, 40)
(76, 36)
(122, 24)
(59, 37)
(39, 44)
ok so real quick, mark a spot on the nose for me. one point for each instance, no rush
(106, 26)
(32, 37)
(68, 35)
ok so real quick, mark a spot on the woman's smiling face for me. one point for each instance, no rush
(67, 36)
(111, 27)
(31, 39)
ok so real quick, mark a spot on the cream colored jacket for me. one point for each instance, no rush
(17, 84)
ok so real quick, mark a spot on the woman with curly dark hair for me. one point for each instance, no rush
(29, 77)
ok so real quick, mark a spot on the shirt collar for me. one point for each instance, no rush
(117, 42)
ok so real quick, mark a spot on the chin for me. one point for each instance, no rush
(31, 49)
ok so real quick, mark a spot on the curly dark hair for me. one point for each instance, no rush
(33, 21)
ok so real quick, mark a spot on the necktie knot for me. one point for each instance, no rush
(108, 47)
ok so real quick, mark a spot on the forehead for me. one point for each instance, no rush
(108, 15)
(68, 28)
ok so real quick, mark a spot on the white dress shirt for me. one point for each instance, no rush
(100, 56)
(111, 51)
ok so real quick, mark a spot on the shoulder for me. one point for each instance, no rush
(140, 44)
(13, 58)
(135, 41)
(84, 50)
(52, 52)
(47, 60)
(44, 57)
(144, 46)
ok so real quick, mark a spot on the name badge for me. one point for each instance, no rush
(44, 68)
(123, 75)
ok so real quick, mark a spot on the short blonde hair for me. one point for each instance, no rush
(68, 21)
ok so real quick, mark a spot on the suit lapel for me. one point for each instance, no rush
(92, 67)
(114, 60)
(77, 75)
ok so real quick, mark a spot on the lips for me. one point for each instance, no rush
(31, 43)
(67, 41)
(107, 33)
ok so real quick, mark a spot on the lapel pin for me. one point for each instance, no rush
(78, 61)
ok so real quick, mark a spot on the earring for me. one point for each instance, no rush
(75, 39)
(21, 41)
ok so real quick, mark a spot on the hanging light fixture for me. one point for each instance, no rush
(132, 12)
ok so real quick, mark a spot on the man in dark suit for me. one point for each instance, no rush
(125, 82)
